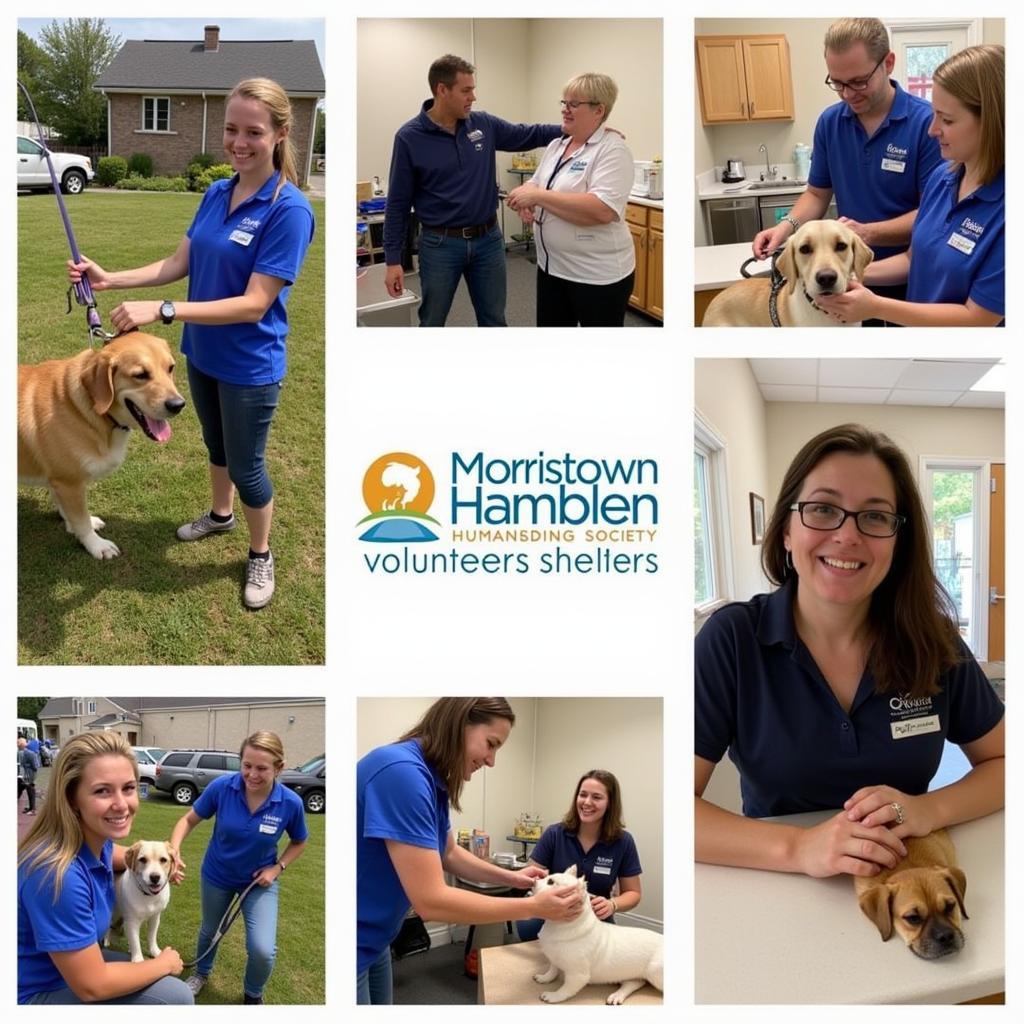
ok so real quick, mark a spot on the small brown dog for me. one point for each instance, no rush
(922, 898)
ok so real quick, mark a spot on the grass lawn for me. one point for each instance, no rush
(164, 602)
(299, 971)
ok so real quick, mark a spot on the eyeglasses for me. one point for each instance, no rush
(855, 84)
(573, 104)
(819, 515)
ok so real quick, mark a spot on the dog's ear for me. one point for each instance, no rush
(131, 855)
(786, 265)
(173, 858)
(957, 881)
(98, 381)
(862, 256)
(571, 871)
(877, 906)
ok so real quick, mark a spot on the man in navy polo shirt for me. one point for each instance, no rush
(871, 150)
(443, 166)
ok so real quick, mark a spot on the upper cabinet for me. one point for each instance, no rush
(744, 78)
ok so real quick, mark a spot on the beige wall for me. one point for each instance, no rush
(554, 741)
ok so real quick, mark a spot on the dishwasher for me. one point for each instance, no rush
(772, 209)
(730, 220)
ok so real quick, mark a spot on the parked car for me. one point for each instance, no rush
(186, 773)
(74, 172)
(309, 780)
(147, 758)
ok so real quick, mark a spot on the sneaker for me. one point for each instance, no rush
(203, 527)
(259, 582)
(249, 1000)
(195, 983)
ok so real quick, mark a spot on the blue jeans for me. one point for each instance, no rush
(235, 419)
(167, 990)
(373, 986)
(259, 911)
(443, 261)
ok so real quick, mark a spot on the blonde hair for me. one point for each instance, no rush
(842, 34)
(269, 742)
(594, 88)
(275, 99)
(56, 836)
(976, 77)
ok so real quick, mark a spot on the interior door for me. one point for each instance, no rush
(997, 566)
(919, 51)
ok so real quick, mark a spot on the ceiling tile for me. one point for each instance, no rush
(854, 396)
(785, 371)
(788, 393)
(862, 373)
(906, 396)
(940, 375)
(982, 400)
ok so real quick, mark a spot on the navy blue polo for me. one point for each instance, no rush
(450, 179)
(399, 796)
(245, 841)
(958, 246)
(603, 864)
(878, 178)
(760, 696)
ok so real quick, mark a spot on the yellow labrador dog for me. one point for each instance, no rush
(819, 259)
(75, 417)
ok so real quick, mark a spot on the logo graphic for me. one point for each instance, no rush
(398, 489)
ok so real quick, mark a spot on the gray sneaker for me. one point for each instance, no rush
(259, 582)
(203, 527)
(195, 983)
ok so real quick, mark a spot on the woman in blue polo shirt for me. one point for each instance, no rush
(954, 269)
(66, 866)
(253, 811)
(241, 255)
(404, 842)
(592, 836)
(839, 689)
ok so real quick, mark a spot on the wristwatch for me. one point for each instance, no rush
(281, 864)
(167, 311)
(792, 220)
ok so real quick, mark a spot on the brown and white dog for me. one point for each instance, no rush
(143, 891)
(75, 417)
(820, 258)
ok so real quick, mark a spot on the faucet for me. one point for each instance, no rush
(769, 173)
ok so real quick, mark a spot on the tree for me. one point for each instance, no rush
(31, 61)
(77, 52)
(320, 135)
(29, 707)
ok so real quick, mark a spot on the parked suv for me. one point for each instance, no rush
(309, 780)
(186, 773)
(147, 758)
(74, 172)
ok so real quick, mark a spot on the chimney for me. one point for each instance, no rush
(211, 38)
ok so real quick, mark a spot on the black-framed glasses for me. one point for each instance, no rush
(573, 104)
(856, 84)
(872, 522)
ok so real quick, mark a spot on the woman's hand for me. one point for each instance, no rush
(841, 846)
(525, 877)
(874, 805)
(856, 303)
(268, 875)
(602, 907)
(130, 315)
(98, 277)
(178, 874)
(559, 903)
(524, 195)
(526, 215)
(171, 960)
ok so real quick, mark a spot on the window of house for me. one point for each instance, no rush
(712, 561)
(156, 113)
(92, 707)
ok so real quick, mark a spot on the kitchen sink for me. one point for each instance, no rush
(757, 186)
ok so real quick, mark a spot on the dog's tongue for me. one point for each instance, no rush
(160, 429)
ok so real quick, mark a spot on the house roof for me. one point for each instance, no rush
(60, 707)
(105, 720)
(186, 67)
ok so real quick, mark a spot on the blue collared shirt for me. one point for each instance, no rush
(958, 246)
(245, 841)
(399, 796)
(878, 178)
(79, 917)
(225, 250)
(760, 696)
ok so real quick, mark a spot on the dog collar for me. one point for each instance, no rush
(142, 889)
(116, 424)
(814, 305)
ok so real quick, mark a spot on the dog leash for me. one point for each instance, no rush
(227, 920)
(777, 282)
(82, 289)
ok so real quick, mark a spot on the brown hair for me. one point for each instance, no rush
(912, 619)
(612, 825)
(445, 70)
(977, 78)
(441, 732)
(269, 742)
(845, 32)
(275, 99)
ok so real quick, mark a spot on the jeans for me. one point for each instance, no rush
(373, 986)
(444, 260)
(235, 419)
(30, 788)
(259, 912)
(167, 990)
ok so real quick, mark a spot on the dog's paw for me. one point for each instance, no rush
(137, 958)
(615, 999)
(101, 548)
(551, 997)
(97, 523)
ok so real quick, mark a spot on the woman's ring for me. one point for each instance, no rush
(899, 812)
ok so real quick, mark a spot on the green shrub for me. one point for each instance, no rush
(110, 170)
(137, 183)
(206, 178)
(141, 164)
(204, 160)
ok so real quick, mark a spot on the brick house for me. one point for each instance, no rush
(166, 98)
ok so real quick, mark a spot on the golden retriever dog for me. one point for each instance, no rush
(75, 417)
(820, 258)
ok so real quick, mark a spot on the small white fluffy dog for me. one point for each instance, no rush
(588, 950)
(143, 892)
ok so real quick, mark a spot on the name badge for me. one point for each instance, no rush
(269, 830)
(964, 245)
(899, 166)
(914, 727)
(475, 135)
(578, 165)
(600, 870)
(241, 237)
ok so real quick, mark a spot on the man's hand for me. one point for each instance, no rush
(865, 231)
(394, 280)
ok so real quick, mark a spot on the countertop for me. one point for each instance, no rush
(718, 266)
(710, 188)
(768, 937)
(654, 204)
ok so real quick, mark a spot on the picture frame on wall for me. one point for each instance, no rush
(756, 518)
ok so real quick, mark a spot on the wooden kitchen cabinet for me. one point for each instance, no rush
(744, 78)
(646, 225)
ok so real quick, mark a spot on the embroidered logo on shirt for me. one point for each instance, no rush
(249, 224)
(909, 717)
(896, 151)
(475, 136)
(603, 865)
(578, 165)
